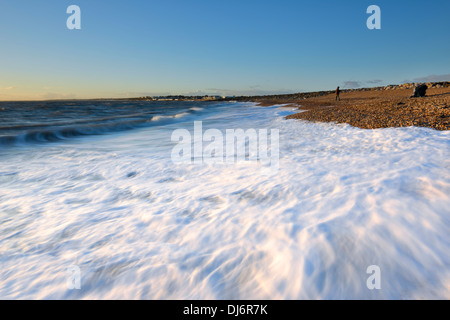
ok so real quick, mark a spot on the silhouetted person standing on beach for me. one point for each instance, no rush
(338, 92)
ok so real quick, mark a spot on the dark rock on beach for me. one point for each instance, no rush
(420, 91)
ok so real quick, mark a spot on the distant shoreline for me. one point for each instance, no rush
(365, 108)
(290, 97)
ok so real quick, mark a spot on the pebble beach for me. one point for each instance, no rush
(374, 108)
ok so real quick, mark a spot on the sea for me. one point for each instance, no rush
(93, 206)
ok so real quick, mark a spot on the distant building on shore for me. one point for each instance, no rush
(182, 98)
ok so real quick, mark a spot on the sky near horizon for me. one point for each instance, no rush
(233, 47)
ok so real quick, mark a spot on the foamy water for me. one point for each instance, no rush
(140, 227)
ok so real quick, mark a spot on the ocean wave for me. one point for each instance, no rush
(196, 109)
(40, 125)
(174, 116)
(64, 133)
(43, 133)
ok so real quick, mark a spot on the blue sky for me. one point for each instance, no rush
(133, 48)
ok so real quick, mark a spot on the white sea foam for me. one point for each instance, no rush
(140, 227)
(196, 109)
(174, 116)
